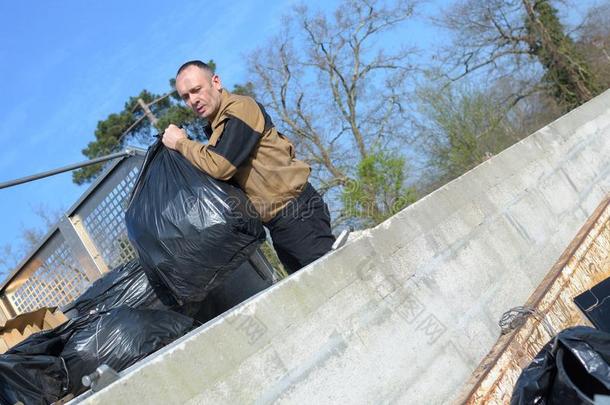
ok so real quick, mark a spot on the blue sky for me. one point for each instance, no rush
(66, 65)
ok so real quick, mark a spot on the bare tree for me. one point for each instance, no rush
(594, 41)
(336, 90)
(28, 239)
(521, 41)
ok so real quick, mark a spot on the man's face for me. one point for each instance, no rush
(200, 91)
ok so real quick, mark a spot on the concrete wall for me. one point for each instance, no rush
(405, 312)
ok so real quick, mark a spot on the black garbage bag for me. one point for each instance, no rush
(570, 369)
(190, 230)
(119, 338)
(124, 285)
(32, 379)
(51, 342)
(33, 371)
(240, 285)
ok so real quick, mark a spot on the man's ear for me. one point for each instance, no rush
(216, 82)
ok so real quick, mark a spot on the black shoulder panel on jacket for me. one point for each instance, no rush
(237, 141)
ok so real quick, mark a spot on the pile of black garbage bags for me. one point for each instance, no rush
(193, 235)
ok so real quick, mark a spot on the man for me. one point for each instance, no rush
(244, 146)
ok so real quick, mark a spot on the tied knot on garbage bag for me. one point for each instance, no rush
(190, 230)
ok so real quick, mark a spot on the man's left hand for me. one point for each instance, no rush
(171, 135)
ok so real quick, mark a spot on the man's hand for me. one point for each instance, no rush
(171, 135)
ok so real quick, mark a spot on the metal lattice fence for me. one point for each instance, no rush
(57, 281)
(88, 241)
(106, 223)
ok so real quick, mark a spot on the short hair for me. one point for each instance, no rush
(198, 63)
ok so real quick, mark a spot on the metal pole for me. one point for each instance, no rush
(126, 152)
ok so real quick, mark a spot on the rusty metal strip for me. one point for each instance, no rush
(515, 348)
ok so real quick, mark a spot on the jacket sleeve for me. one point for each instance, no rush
(220, 159)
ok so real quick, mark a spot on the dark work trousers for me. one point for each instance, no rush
(301, 231)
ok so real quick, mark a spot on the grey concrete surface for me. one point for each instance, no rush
(405, 311)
